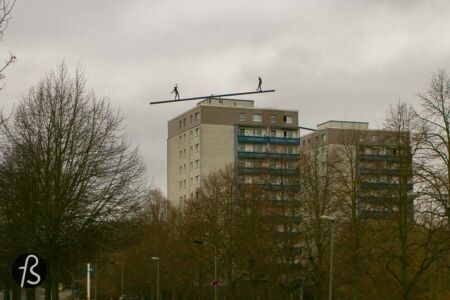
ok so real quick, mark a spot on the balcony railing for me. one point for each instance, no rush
(383, 200)
(388, 158)
(384, 171)
(384, 185)
(273, 187)
(271, 171)
(267, 139)
(266, 155)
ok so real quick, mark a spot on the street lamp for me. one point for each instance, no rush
(332, 220)
(154, 258)
(121, 274)
(215, 263)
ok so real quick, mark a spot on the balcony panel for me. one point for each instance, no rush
(379, 185)
(271, 171)
(388, 158)
(265, 155)
(252, 139)
(281, 140)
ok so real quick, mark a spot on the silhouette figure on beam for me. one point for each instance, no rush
(259, 89)
(175, 90)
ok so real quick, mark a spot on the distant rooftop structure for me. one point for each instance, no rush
(226, 102)
(343, 125)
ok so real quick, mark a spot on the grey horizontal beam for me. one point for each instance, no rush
(212, 96)
(306, 128)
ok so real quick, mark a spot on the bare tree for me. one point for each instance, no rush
(66, 170)
(414, 252)
(317, 186)
(435, 149)
(6, 8)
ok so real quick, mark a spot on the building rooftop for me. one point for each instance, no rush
(343, 125)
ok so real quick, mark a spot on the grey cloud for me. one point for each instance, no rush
(328, 59)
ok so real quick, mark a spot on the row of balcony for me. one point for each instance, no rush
(271, 171)
(266, 155)
(388, 158)
(384, 171)
(384, 200)
(268, 140)
(385, 185)
(272, 187)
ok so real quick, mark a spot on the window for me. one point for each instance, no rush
(273, 119)
(197, 131)
(257, 132)
(241, 147)
(192, 164)
(184, 183)
(197, 147)
(257, 118)
(197, 116)
(181, 169)
(273, 132)
(197, 163)
(316, 139)
(197, 179)
(184, 122)
(192, 149)
(241, 117)
(374, 138)
(184, 167)
(241, 131)
(257, 148)
(191, 134)
(288, 134)
(184, 153)
(288, 119)
(192, 180)
(324, 137)
(304, 143)
(181, 154)
(179, 139)
(184, 137)
(191, 118)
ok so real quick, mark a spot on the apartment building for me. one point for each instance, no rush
(382, 160)
(262, 143)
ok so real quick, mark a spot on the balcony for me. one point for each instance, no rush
(271, 171)
(267, 139)
(272, 187)
(383, 200)
(388, 158)
(252, 139)
(384, 171)
(283, 140)
(266, 155)
(385, 186)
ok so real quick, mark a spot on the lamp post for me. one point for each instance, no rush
(154, 258)
(215, 262)
(332, 220)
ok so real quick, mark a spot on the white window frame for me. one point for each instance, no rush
(257, 118)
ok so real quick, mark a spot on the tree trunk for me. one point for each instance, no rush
(31, 294)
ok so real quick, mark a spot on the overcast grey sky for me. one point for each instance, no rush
(341, 59)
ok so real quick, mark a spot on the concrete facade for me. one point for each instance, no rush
(219, 132)
(382, 162)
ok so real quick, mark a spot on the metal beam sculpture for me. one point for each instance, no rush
(212, 96)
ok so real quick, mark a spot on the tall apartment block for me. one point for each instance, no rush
(262, 143)
(382, 162)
